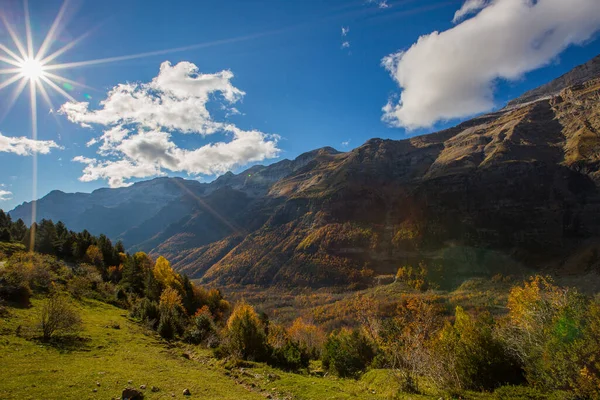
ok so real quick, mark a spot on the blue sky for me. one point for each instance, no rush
(303, 88)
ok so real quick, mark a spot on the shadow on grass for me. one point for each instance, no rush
(66, 343)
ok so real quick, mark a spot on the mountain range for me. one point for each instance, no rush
(516, 188)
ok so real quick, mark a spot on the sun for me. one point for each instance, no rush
(32, 69)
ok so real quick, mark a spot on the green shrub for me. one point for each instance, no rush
(468, 355)
(147, 311)
(347, 353)
(290, 356)
(202, 329)
(245, 335)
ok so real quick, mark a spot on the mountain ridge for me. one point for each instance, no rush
(453, 199)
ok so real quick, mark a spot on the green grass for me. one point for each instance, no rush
(30, 369)
(111, 357)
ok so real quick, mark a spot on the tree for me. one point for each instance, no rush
(246, 334)
(404, 340)
(550, 331)
(171, 314)
(467, 355)
(347, 353)
(165, 274)
(93, 256)
(135, 270)
(18, 230)
(58, 316)
(308, 336)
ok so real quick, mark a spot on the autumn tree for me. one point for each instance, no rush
(552, 332)
(467, 355)
(308, 336)
(245, 334)
(172, 314)
(404, 340)
(165, 275)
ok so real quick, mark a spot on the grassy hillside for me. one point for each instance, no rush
(114, 350)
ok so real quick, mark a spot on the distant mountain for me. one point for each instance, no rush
(512, 189)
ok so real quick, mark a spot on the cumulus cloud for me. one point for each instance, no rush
(5, 195)
(345, 45)
(175, 100)
(24, 146)
(141, 119)
(451, 74)
(345, 30)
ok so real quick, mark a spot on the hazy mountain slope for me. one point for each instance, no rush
(515, 187)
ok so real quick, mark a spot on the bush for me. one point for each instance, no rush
(556, 334)
(308, 336)
(290, 356)
(58, 316)
(245, 334)
(147, 311)
(202, 328)
(285, 352)
(14, 288)
(347, 353)
(469, 356)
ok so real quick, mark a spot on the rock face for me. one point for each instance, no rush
(515, 188)
(576, 76)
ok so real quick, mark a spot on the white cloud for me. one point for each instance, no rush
(379, 3)
(345, 30)
(5, 195)
(451, 74)
(147, 153)
(345, 45)
(346, 143)
(175, 100)
(24, 146)
(142, 118)
(469, 7)
(115, 171)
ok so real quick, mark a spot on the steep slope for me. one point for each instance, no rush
(517, 187)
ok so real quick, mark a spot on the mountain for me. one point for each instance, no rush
(516, 188)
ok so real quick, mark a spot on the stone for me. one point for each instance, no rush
(131, 394)
(186, 392)
(154, 389)
(143, 387)
(97, 383)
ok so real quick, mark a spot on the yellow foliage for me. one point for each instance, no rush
(308, 335)
(93, 255)
(165, 274)
(243, 311)
(170, 299)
